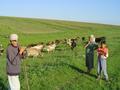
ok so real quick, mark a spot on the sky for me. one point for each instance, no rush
(95, 11)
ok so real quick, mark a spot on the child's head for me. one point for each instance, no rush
(14, 39)
(103, 44)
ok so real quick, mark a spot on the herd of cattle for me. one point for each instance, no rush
(35, 50)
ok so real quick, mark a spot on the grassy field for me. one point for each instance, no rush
(65, 69)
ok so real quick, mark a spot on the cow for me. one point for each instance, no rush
(1, 50)
(73, 43)
(100, 39)
(50, 47)
(34, 50)
(68, 41)
(38, 47)
(57, 41)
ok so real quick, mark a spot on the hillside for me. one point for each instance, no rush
(60, 70)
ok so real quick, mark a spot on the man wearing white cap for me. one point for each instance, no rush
(14, 54)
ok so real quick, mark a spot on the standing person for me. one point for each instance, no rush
(13, 54)
(102, 59)
(90, 47)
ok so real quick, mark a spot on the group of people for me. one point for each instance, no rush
(14, 54)
(102, 55)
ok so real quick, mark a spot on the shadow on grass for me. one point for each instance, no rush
(80, 71)
(2, 86)
(72, 67)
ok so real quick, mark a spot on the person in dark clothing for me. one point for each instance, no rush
(90, 47)
(13, 55)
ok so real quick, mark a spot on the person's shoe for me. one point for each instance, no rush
(98, 78)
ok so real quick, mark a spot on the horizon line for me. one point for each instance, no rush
(58, 19)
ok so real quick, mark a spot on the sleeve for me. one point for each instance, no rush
(86, 45)
(10, 54)
(106, 53)
(21, 56)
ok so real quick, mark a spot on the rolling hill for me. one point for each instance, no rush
(60, 70)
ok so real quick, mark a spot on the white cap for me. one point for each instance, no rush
(13, 37)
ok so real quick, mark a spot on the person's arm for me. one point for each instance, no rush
(105, 56)
(21, 50)
(87, 44)
(10, 55)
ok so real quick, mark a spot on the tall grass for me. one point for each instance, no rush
(65, 69)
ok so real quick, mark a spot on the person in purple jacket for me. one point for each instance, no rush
(13, 54)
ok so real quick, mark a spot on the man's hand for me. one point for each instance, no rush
(22, 49)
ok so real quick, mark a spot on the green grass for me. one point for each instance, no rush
(60, 70)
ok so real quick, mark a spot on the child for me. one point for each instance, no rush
(102, 58)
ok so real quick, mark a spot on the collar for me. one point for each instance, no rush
(14, 46)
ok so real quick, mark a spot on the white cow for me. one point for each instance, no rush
(39, 47)
(50, 47)
(69, 42)
(34, 51)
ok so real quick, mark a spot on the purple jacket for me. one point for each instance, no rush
(13, 60)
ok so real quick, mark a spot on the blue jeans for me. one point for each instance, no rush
(102, 67)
